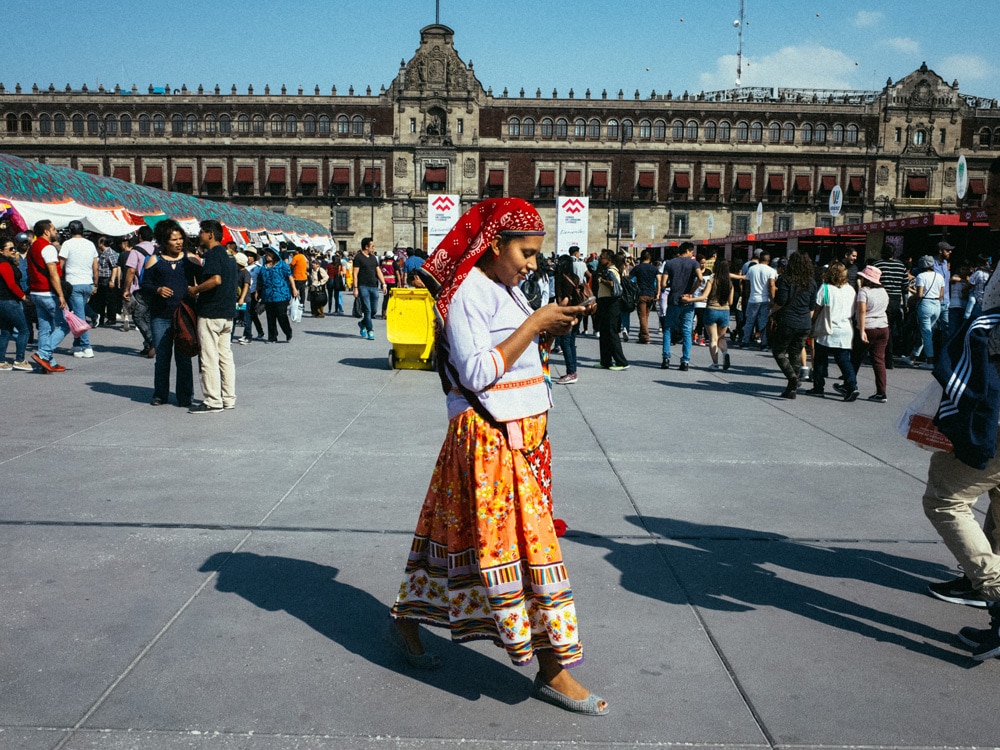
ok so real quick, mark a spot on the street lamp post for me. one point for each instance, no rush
(372, 133)
(618, 209)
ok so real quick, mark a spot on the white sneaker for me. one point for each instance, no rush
(84, 353)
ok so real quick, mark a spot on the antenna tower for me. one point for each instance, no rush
(738, 23)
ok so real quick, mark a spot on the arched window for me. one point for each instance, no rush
(324, 125)
(710, 130)
(514, 127)
(691, 130)
(25, 123)
(579, 128)
(742, 131)
(919, 137)
(528, 127)
(257, 124)
(93, 124)
(44, 124)
(627, 129)
(807, 133)
(358, 125)
(343, 125)
(159, 125)
(191, 124)
(59, 123)
(594, 129)
(660, 130)
(125, 123)
(612, 129)
(11, 123)
(774, 133)
(645, 129)
(756, 132)
(996, 137)
(176, 124)
(562, 128)
(243, 124)
(838, 133)
(820, 133)
(677, 130)
(788, 132)
(211, 124)
(309, 125)
(225, 125)
(77, 124)
(277, 125)
(724, 131)
(852, 133)
(144, 124)
(110, 125)
(546, 127)
(291, 124)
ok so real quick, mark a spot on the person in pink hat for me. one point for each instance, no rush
(872, 320)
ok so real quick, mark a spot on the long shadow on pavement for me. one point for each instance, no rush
(139, 393)
(357, 621)
(733, 569)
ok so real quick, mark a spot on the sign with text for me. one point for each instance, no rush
(836, 201)
(571, 224)
(443, 211)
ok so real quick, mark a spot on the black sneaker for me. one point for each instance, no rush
(726, 362)
(683, 367)
(851, 395)
(665, 364)
(958, 591)
(989, 647)
(840, 388)
(204, 408)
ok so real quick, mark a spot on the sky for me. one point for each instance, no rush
(661, 45)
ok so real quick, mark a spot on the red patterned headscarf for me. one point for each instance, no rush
(465, 244)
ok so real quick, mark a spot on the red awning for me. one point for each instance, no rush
(547, 178)
(89, 170)
(682, 180)
(368, 175)
(646, 180)
(122, 173)
(802, 183)
(855, 184)
(276, 175)
(776, 182)
(435, 174)
(310, 176)
(744, 181)
(827, 182)
(213, 175)
(244, 174)
(713, 181)
(977, 187)
(496, 178)
(154, 176)
(341, 176)
(599, 179)
(916, 184)
(184, 174)
(573, 178)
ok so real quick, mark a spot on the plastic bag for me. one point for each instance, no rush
(917, 422)
(295, 310)
(77, 325)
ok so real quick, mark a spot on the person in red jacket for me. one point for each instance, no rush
(12, 322)
(45, 284)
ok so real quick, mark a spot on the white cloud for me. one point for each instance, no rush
(866, 19)
(965, 68)
(792, 67)
(904, 45)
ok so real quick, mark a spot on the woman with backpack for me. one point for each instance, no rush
(791, 316)
(609, 315)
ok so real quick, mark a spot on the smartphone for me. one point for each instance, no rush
(589, 301)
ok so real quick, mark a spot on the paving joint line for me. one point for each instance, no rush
(156, 639)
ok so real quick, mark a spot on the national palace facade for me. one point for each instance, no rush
(657, 167)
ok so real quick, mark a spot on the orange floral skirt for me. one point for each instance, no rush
(485, 560)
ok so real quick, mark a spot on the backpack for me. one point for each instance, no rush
(185, 327)
(532, 291)
(630, 294)
(568, 284)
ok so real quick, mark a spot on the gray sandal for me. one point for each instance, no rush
(588, 705)
(426, 660)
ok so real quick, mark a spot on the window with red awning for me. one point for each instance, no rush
(547, 178)
(827, 182)
(184, 174)
(495, 178)
(776, 183)
(154, 176)
(802, 183)
(122, 173)
(744, 181)
(276, 175)
(310, 176)
(244, 174)
(599, 179)
(682, 181)
(713, 181)
(646, 180)
(213, 174)
(341, 176)
(573, 178)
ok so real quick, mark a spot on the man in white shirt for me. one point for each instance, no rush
(761, 279)
(79, 256)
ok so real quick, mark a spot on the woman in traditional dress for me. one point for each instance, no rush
(485, 561)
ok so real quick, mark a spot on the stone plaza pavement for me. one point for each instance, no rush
(749, 572)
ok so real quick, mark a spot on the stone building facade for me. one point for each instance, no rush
(660, 167)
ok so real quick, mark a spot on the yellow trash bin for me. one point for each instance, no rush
(409, 326)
